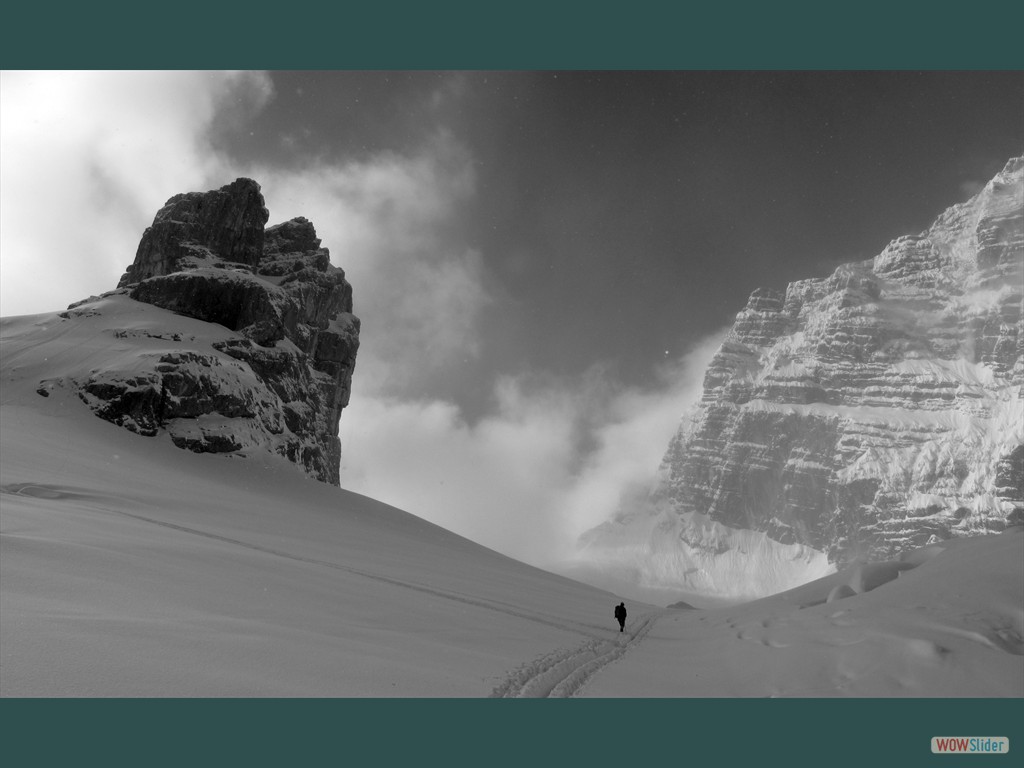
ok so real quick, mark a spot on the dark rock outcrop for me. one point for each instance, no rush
(199, 227)
(280, 376)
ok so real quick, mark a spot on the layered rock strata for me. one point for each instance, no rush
(279, 377)
(856, 415)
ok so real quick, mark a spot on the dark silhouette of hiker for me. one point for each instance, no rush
(620, 614)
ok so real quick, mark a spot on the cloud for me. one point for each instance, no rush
(971, 187)
(490, 482)
(388, 221)
(555, 458)
(633, 437)
(88, 158)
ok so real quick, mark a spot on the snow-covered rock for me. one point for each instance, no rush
(273, 368)
(850, 417)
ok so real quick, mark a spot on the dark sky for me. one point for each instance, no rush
(621, 215)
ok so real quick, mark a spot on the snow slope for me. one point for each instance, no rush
(943, 622)
(129, 567)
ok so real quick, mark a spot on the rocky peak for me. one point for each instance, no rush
(224, 224)
(292, 237)
(851, 416)
(278, 374)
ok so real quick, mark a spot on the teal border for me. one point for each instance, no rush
(527, 34)
(524, 35)
(462, 732)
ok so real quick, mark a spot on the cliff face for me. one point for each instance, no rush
(277, 374)
(850, 417)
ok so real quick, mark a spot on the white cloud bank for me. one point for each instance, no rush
(89, 157)
(418, 291)
(550, 463)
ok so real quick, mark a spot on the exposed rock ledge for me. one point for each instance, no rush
(281, 378)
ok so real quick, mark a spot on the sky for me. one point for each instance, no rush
(543, 262)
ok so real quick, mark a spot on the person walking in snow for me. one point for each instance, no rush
(620, 614)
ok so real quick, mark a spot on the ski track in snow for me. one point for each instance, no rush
(52, 493)
(561, 674)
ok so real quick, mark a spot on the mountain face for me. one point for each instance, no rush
(849, 417)
(274, 369)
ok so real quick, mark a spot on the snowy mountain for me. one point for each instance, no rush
(129, 567)
(847, 418)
